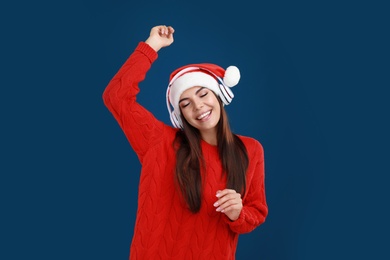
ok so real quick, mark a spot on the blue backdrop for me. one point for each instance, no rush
(314, 92)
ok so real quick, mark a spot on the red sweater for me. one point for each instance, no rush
(165, 228)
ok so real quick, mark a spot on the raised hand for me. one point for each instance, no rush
(160, 36)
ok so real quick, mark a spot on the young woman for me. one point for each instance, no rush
(200, 185)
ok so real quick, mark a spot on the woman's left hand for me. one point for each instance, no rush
(229, 202)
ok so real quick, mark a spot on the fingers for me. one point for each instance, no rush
(221, 193)
(228, 206)
(165, 30)
(228, 200)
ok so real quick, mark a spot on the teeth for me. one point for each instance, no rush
(203, 115)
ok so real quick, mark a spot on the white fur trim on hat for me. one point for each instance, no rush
(189, 80)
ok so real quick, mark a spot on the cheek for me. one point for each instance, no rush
(218, 110)
(218, 113)
(215, 101)
(186, 114)
(217, 105)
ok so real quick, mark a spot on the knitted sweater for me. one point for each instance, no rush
(165, 228)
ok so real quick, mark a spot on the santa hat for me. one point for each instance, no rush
(206, 75)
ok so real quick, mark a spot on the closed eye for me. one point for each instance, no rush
(204, 94)
(185, 105)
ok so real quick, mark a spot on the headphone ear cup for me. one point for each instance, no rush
(176, 121)
(226, 94)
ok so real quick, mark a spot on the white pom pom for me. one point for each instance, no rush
(232, 76)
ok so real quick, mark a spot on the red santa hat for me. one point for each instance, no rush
(206, 75)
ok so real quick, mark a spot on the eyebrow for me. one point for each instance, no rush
(195, 94)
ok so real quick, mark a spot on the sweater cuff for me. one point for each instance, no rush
(239, 221)
(237, 225)
(147, 51)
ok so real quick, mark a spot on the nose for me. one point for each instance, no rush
(198, 104)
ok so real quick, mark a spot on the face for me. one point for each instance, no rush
(201, 109)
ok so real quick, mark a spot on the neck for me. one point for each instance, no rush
(209, 136)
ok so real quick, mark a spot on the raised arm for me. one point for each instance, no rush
(141, 128)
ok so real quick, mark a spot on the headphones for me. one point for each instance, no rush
(225, 93)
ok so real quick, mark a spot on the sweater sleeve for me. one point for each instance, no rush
(141, 128)
(255, 209)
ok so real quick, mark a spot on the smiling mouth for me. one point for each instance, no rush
(204, 115)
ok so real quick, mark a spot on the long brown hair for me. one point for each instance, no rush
(189, 160)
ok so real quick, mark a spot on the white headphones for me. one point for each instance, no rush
(225, 93)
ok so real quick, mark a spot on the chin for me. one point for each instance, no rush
(209, 126)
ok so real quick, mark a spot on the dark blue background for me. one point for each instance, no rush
(314, 92)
